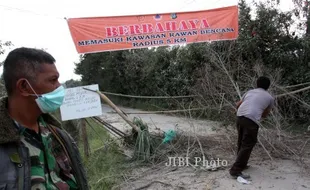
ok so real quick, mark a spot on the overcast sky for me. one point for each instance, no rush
(41, 23)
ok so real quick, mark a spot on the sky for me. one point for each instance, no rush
(41, 23)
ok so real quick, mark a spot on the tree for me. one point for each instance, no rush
(302, 12)
(3, 46)
(72, 83)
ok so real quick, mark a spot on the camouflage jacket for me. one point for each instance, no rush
(22, 159)
(49, 165)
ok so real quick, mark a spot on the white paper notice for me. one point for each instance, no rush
(80, 103)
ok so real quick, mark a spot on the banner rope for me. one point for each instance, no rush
(149, 97)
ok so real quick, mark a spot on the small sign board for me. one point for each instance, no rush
(80, 103)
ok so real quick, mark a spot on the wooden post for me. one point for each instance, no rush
(108, 101)
(85, 138)
(111, 104)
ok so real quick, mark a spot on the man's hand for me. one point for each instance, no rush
(266, 112)
(238, 104)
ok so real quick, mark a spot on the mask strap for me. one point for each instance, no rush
(31, 88)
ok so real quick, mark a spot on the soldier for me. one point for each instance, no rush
(35, 152)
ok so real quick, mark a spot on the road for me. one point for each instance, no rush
(161, 121)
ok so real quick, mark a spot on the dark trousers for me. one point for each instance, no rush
(247, 138)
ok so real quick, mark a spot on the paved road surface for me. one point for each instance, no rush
(161, 121)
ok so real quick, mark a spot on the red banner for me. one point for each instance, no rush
(98, 34)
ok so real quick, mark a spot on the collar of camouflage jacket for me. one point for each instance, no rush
(8, 132)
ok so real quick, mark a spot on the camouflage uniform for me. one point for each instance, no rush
(50, 167)
(16, 163)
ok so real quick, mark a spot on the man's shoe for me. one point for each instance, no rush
(244, 176)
